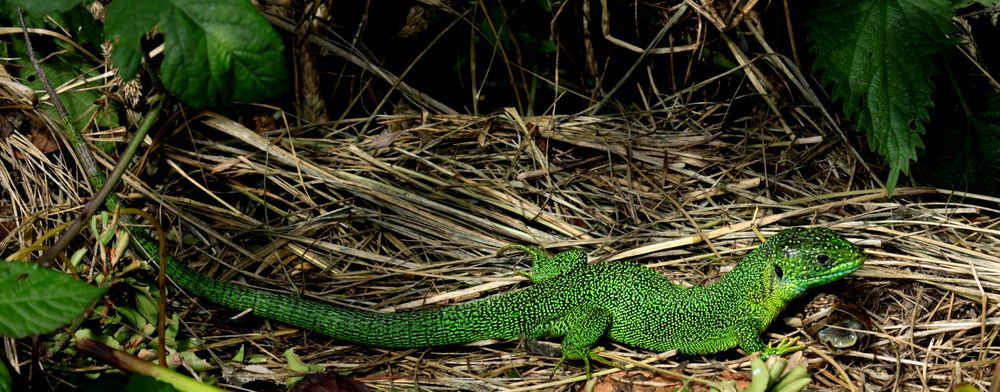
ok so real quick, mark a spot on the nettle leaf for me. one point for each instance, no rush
(879, 56)
(986, 124)
(967, 156)
(35, 300)
(982, 172)
(216, 52)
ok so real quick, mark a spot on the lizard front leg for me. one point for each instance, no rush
(750, 341)
(545, 267)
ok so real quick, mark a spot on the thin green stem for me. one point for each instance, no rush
(97, 179)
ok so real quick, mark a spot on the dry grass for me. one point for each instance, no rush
(411, 214)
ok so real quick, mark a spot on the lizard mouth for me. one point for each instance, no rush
(851, 261)
(837, 273)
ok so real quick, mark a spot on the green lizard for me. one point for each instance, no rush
(581, 302)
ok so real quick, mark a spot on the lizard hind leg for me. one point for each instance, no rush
(544, 266)
(581, 329)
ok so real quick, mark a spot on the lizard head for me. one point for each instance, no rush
(803, 258)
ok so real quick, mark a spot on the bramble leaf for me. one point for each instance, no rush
(879, 56)
(217, 51)
(35, 300)
(45, 7)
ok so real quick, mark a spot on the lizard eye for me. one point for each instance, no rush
(823, 259)
(778, 271)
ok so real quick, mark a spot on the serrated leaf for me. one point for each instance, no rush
(964, 151)
(986, 126)
(35, 300)
(982, 150)
(217, 51)
(879, 56)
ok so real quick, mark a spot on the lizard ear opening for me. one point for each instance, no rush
(778, 271)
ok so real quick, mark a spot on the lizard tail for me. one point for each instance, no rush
(449, 325)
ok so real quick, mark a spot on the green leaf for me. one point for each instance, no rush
(295, 363)
(965, 155)
(985, 125)
(35, 300)
(147, 306)
(239, 356)
(966, 387)
(879, 56)
(83, 103)
(106, 340)
(173, 325)
(217, 51)
(538, 45)
(85, 30)
(45, 7)
(133, 317)
(127, 21)
(6, 382)
(144, 383)
(965, 3)
(193, 362)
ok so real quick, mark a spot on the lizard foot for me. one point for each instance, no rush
(784, 346)
(592, 355)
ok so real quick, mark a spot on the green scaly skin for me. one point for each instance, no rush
(580, 302)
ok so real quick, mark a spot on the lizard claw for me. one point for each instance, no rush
(594, 355)
(784, 346)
